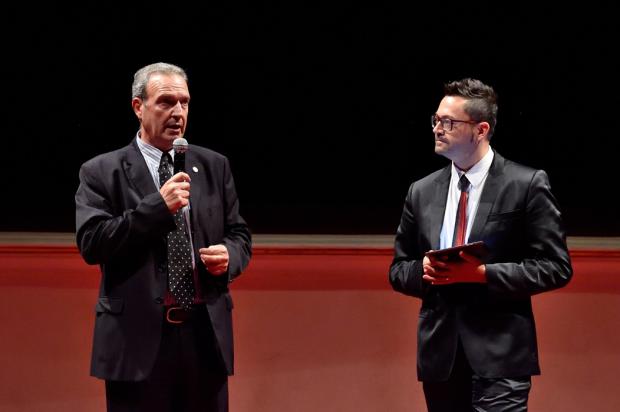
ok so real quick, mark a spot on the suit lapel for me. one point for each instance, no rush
(197, 172)
(194, 169)
(137, 172)
(438, 202)
(489, 193)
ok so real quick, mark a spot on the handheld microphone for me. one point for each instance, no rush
(180, 146)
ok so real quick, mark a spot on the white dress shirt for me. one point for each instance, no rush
(477, 175)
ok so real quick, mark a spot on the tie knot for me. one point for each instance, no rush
(164, 168)
(463, 183)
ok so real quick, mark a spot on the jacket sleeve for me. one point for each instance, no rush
(546, 263)
(237, 237)
(105, 229)
(406, 270)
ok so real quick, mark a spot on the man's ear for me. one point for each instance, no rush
(482, 129)
(136, 105)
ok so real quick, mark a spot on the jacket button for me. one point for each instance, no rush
(159, 300)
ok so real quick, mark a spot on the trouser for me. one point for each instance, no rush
(188, 375)
(464, 391)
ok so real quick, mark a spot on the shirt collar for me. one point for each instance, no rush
(150, 150)
(477, 172)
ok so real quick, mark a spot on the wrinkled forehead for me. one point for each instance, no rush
(164, 83)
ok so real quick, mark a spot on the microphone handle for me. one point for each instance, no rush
(179, 162)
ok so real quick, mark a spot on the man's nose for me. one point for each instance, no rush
(177, 109)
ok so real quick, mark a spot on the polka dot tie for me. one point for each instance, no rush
(180, 270)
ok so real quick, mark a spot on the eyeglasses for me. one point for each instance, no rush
(446, 123)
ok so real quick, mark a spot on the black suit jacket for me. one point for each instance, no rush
(121, 224)
(519, 220)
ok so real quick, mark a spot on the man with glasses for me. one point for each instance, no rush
(477, 345)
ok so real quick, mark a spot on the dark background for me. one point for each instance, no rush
(322, 109)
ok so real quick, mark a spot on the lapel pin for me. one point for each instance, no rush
(195, 169)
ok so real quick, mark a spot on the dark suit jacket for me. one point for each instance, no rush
(519, 220)
(121, 224)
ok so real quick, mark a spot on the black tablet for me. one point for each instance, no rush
(477, 249)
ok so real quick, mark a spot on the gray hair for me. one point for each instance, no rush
(142, 76)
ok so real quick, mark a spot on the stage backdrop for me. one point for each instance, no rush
(323, 109)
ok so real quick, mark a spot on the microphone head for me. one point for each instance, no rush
(180, 145)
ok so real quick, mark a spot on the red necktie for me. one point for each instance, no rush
(460, 226)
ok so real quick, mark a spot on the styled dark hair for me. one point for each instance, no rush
(481, 103)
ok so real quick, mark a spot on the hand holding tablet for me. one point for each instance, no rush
(477, 249)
